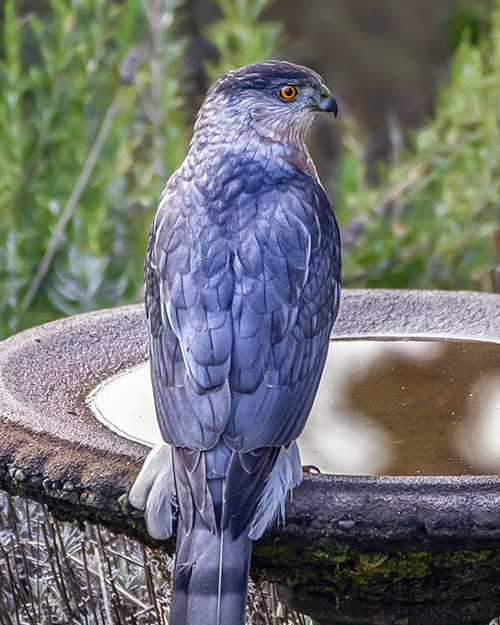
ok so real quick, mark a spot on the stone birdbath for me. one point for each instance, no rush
(406, 531)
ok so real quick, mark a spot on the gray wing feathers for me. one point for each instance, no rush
(203, 416)
(240, 308)
(192, 488)
(246, 475)
(284, 319)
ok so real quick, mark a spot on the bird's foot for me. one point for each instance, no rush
(310, 468)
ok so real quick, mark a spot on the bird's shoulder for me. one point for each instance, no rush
(266, 220)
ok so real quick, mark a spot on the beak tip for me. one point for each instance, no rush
(329, 106)
(334, 107)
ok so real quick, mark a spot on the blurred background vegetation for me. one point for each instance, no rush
(97, 101)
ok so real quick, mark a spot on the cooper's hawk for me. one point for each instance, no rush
(242, 289)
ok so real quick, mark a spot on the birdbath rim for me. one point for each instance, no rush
(53, 450)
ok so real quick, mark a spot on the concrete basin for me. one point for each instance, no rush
(408, 549)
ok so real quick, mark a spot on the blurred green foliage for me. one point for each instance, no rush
(84, 144)
(472, 17)
(92, 126)
(241, 37)
(433, 219)
(93, 120)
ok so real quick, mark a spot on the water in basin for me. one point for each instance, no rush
(383, 408)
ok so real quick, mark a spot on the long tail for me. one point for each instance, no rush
(212, 567)
(210, 577)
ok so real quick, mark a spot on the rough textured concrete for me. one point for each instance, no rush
(403, 314)
(348, 542)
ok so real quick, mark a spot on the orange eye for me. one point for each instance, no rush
(288, 92)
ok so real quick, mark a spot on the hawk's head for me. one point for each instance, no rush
(277, 99)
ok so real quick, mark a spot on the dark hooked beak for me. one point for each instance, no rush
(328, 105)
(326, 102)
